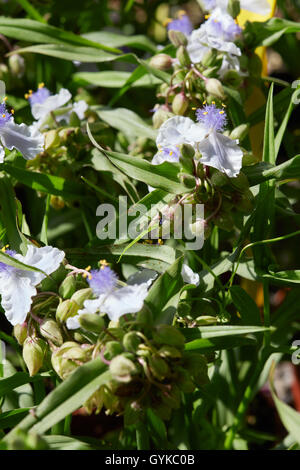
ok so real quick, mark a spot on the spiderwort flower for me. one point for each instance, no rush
(218, 150)
(28, 141)
(182, 23)
(43, 103)
(110, 297)
(18, 286)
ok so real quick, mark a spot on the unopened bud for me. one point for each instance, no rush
(66, 309)
(161, 62)
(234, 8)
(240, 132)
(209, 58)
(92, 322)
(20, 332)
(177, 38)
(34, 350)
(158, 367)
(81, 295)
(214, 87)
(206, 320)
(219, 179)
(188, 180)
(51, 331)
(169, 352)
(122, 368)
(183, 56)
(67, 287)
(160, 116)
(112, 349)
(180, 104)
(69, 357)
(187, 151)
(17, 65)
(166, 334)
(51, 139)
(131, 341)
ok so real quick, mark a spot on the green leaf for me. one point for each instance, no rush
(8, 214)
(113, 79)
(70, 443)
(284, 278)
(115, 40)
(127, 122)
(247, 308)
(267, 32)
(11, 418)
(66, 398)
(264, 171)
(17, 380)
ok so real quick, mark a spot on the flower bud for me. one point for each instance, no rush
(34, 350)
(92, 322)
(51, 139)
(122, 368)
(188, 180)
(187, 151)
(161, 62)
(69, 357)
(206, 320)
(66, 309)
(240, 132)
(167, 334)
(51, 331)
(112, 349)
(158, 367)
(219, 179)
(177, 38)
(160, 116)
(131, 341)
(17, 65)
(67, 287)
(209, 58)
(214, 87)
(20, 332)
(169, 352)
(81, 295)
(4, 73)
(183, 56)
(234, 8)
(180, 104)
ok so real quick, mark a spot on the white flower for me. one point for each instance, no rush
(261, 7)
(189, 276)
(27, 140)
(112, 299)
(18, 286)
(42, 108)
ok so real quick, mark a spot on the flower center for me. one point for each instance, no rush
(39, 96)
(212, 118)
(103, 280)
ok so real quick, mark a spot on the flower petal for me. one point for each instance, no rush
(261, 7)
(28, 140)
(222, 153)
(174, 131)
(189, 276)
(2, 154)
(46, 258)
(16, 291)
(40, 110)
(128, 299)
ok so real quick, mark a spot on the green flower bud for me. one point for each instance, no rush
(183, 56)
(92, 322)
(69, 357)
(34, 350)
(161, 62)
(187, 151)
(67, 287)
(209, 58)
(17, 65)
(20, 332)
(160, 116)
(4, 73)
(122, 369)
(188, 180)
(66, 309)
(131, 341)
(180, 104)
(167, 334)
(112, 349)
(234, 8)
(158, 367)
(214, 87)
(51, 139)
(240, 132)
(81, 295)
(177, 38)
(169, 352)
(219, 179)
(51, 331)
(113, 332)
(186, 165)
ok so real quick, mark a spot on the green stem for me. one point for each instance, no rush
(142, 437)
(267, 333)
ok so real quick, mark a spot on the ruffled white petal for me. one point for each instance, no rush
(200, 42)
(72, 323)
(16, 292)
(28, 140)
(80, 107)
(2, 154)
(189, 276)
(174, 131)
(46, 258)
(262, 7)
(221, 152)
(40, 110)
(128, 299)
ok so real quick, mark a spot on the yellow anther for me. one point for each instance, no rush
(88, 268)
(213, 102)
(5, 98)
(41, 85)
(204, 102)
(193, 108)
(206, 17)
(26, 96)
(221, 112)
(3, 115)
(181, 13)
(167, 21)
(224, 105)
(12, 111)
(205, 113)
(160, 241)
(171, 153)
(103, 263)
